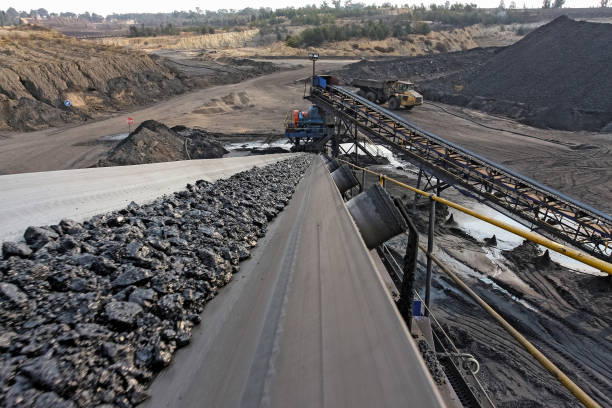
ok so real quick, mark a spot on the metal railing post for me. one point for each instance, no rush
(430, 238)
(361, 187)
(416, 196)
(409, 270)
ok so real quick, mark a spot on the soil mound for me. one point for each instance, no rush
(154, 142)
(40, 70)
(562, 72)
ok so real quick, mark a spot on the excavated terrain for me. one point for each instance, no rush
(154, 142)
(91, 311)
(40, 70)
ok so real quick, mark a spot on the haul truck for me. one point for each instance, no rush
(396, 93)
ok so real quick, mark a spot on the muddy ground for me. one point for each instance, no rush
(565, 313)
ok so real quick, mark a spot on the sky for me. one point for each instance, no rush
(142, 6)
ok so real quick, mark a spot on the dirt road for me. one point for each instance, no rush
(257, 105)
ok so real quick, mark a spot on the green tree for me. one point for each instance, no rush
(558, 3)
(291, 41)
(422, 28)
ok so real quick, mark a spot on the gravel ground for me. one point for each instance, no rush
(90, 312)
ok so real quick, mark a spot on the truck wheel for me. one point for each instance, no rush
(371, 96)
(394, 104)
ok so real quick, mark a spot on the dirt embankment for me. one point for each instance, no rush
(154, 142)
(557, 77)
(40, 70)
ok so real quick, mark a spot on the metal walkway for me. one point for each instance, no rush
(540, 208)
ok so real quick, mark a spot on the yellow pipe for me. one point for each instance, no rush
(532, 236)
(564, 379)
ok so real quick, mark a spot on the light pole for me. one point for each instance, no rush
(313, 56)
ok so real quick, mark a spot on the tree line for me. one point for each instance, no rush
(378, 30)
(165, 29)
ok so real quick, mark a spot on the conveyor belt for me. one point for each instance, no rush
(541, 208)
(44, 198)
(306, 323)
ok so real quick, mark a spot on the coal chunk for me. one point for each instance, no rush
(171, 306)
(122, 313)
(51, 399)
(15, 249)
(44, 372)
(37, 237)
(143, 296)
(13, 294)
(133, 275)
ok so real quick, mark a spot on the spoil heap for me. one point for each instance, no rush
(90, 311)
(154, 142)
(40, 70)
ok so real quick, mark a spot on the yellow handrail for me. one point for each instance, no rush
(531, 236)
(563, 379)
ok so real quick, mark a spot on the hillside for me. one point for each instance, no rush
(40, 69)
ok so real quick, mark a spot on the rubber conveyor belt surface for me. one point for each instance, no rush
(306, 323)
(45, 198)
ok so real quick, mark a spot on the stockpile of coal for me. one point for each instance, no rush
(558, 76)
(90, 311)
(154, 142)
(418, 69)
(561, 72)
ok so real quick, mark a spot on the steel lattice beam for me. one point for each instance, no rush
(536, 206)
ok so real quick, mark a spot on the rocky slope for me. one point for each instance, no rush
(40, 70)
(154, 142)
(91, 311)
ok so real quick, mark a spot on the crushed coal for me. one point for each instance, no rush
(561, 72)
(93, 310)
(154, 142)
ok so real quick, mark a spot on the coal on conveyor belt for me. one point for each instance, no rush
(90, 311)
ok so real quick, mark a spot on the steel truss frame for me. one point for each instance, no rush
(536, 206)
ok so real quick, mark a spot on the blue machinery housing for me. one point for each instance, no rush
(540, 208)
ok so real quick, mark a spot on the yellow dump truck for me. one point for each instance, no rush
(393, 92)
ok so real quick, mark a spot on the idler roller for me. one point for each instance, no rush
(344, 178)
(332, 165)
(376, 216)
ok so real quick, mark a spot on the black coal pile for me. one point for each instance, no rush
(154, 142)
(420, 68)
(90, 311)
(561, 72)
(558, 76)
